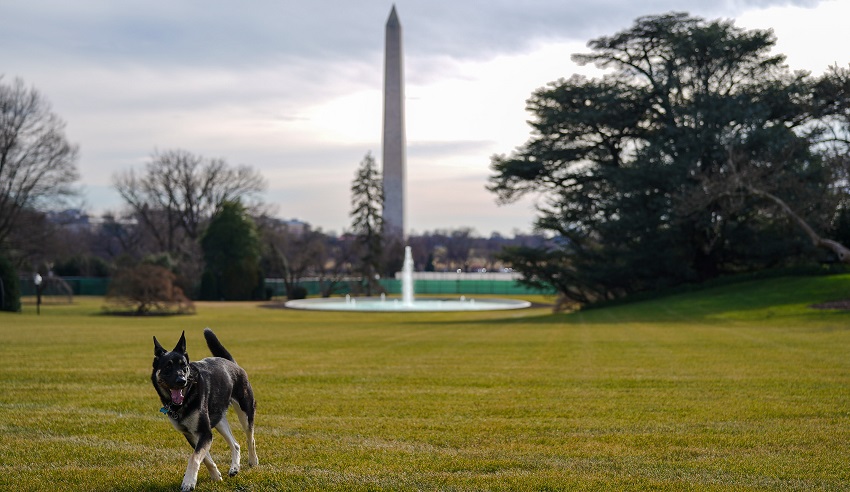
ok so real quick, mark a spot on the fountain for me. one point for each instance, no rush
(408, 302)
(407, 278)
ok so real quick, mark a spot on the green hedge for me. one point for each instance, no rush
(10, 290)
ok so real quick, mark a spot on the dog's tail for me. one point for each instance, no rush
(215, 346)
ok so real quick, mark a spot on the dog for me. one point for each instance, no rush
(195, 397)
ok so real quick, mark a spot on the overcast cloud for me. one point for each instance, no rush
(293, 88)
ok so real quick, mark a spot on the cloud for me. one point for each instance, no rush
(221, 33)
(435, 150)
(293, 88)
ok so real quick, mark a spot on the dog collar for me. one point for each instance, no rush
(171, 412)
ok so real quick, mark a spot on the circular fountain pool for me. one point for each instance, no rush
(407, 303)
(382, 304)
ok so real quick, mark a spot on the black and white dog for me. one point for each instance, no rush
(196, 395)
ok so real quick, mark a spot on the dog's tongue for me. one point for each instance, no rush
(177, 396)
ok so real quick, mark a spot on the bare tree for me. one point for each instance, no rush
(297, 254)
(333, 272)
(179, 191)
(37, 163)
(459, 247)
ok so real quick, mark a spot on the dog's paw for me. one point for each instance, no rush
(234, 470)
(186, 487)
(216, 477)
(253, 461)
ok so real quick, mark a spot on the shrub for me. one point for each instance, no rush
(146, 289)
(298, 292)
(82, 266)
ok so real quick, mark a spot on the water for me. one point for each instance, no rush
(407, 278)
(374, 304)
(408, 302)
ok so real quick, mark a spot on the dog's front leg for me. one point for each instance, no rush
(203, 440)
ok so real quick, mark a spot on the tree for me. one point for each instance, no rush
(459, 246)
(630, 165)
(115, 237)
(367, 198)
(336, 265)
(833, 98)
(179, 191)
(177, 194)
(35, 240)
(292, 255)
(231, 248)
(37, 163)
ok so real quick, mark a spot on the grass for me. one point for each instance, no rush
(742, 387)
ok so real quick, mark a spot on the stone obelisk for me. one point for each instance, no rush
(394, 142)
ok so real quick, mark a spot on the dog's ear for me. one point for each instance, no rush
(158, 351)
(180, 348)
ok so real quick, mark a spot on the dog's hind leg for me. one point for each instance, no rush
(247, 422)
(215, 475)
(223, 427)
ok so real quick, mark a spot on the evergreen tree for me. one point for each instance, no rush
(367, 197)
(231, 248)
(649, 174)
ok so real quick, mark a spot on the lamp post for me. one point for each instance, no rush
(37, 280)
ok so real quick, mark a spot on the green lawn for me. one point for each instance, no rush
(737, 388)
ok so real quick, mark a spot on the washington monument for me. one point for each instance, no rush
(394, 141)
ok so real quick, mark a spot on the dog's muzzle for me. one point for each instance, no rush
(177, 394)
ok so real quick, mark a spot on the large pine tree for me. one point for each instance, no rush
(649, 175)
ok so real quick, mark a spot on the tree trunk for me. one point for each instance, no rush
(837, 248)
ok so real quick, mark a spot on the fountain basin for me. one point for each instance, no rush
(407, 303)
(379, 304)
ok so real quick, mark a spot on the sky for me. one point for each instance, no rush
(293, 88)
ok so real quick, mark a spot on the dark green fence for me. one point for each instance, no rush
(91, 286)
(79, 286)
(423, 287)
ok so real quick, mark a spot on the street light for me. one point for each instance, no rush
(37, 280)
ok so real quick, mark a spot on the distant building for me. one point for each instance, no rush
(295, 226)
(73, 219)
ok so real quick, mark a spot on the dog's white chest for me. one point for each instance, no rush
(189, 423)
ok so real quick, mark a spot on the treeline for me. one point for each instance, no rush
(191, 227)
(72, 243)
